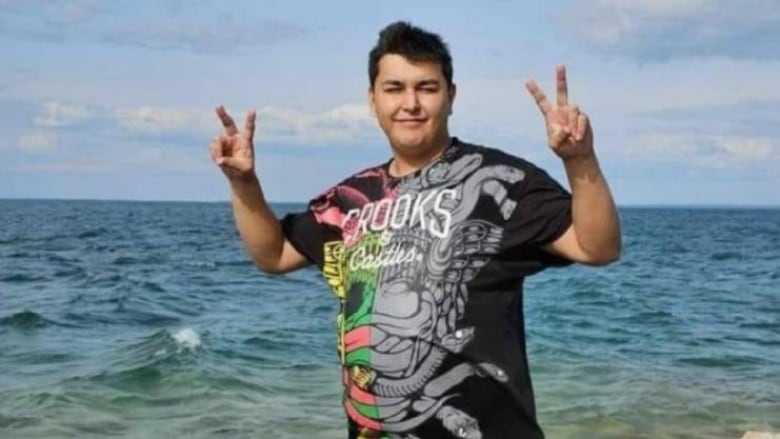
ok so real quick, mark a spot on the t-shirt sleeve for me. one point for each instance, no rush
(542, 214)
(309, 230)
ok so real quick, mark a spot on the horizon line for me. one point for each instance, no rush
(227, 201)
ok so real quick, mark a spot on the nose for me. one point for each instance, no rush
(411, 102)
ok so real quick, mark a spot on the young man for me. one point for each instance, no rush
(427, 252)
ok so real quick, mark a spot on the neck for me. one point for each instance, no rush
(406, 164)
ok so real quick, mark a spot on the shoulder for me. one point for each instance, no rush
(497, 156)
(375, 172)
(354, 190)
(520, 177)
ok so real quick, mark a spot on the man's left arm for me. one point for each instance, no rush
(594, 236)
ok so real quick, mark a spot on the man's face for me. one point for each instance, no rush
(412, 102)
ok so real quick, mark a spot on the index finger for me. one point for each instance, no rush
(561, 86)
(227, 121)
(539, 97)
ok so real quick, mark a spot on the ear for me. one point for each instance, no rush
(371, 103)
(452, 91)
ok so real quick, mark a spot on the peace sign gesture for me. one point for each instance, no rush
(233, 150)
(569, 133)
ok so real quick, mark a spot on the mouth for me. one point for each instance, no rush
(410, 122)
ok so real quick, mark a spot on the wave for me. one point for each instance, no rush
(20, 255)
(150, 359)
(11, 240)
(153, 287)
(11, 422)
(187, 339)
(122, 316)
(726, 256)
(725, 361)
(164, 342)
(22, 278)
(144, 317)
(92, 233)
(201, 264)
(26, 320)
(125, 260)
(75, 273)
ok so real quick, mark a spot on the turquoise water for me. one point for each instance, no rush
(143, 320)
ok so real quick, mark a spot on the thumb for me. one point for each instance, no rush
(557, 137)
(231, 162)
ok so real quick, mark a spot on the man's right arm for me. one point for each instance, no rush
(261, 231)
(233, 151)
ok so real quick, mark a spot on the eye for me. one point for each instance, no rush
(392, 89)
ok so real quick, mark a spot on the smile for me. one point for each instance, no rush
(413, 122)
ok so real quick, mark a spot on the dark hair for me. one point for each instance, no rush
(413, 43)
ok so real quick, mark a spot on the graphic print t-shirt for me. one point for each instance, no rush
(428, 269)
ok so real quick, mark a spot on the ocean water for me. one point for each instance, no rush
(147, 320)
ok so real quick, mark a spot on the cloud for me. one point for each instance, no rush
(156, 120)
(164, 137)
(666, 29)
(40, 20)
(125, 155)
(168, 159)
(344, 124)
(707, 152)
(56, 114)
(748, 149)
(40, 123)
(657, 8)
(758, 154)
(738, 136)
(77, 11)
(40, 141)
(164, 25)
(749, 118)
(176, 34)
(90, 166)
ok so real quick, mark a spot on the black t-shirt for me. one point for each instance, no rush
(429, 269)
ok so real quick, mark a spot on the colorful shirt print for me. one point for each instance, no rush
(428, 270)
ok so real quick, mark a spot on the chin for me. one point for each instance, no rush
(410, 143)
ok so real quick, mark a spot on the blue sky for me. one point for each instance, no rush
(114, 100)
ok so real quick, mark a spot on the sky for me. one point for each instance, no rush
(115, 100)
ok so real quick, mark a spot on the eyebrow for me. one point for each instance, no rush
(423, 83)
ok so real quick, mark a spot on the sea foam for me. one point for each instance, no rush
(187, 338)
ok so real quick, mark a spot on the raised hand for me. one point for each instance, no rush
(569, 133)
(233, 150)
